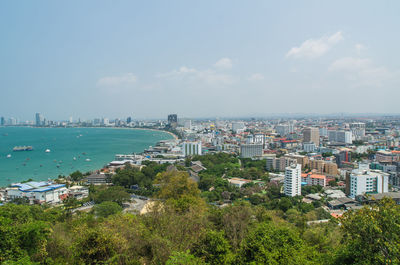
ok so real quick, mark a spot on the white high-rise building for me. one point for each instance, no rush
(292, 182)
(191, 148)
(259, 138)
(364, 180)
(238, 127)
(251, 150)
(358, 130)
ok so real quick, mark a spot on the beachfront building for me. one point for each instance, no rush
(38, 192)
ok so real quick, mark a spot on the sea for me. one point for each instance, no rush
(71, 149)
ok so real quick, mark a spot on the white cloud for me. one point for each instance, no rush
(362, 72)
(359, 48)
(256, 77)
(207, 76)
(224, 63)
(119, 80)
(313, 48)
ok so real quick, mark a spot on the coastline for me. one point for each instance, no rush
(96, 168)
(107, 127)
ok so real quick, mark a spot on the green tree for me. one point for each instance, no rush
(184, 258)
(371, 235)
(116, 194)
(272, 244)
(76, 176)
(178, 190)
(107, 208)
(214, 248)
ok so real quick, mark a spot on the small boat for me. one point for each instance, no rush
(8, 156)
(47, 151)
(87, 160)
(22, 148)
(74, 158)
(41, 165)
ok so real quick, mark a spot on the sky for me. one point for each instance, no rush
(227, 58)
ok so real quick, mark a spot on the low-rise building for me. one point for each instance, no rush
(313, 179)
(38, 192)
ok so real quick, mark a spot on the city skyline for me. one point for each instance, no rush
(226, 59)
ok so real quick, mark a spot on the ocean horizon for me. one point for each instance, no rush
(70, 149)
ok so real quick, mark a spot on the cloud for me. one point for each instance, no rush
(224, 63)
(207, 76)
(314, 48)
(362, 71)
(256, 77)
(119, 80)
(359, 48)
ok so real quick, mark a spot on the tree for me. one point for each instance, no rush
(76, 176)
(107, 208)
(183, 258)
(272, 244)
(371, 235)
(178, 190)
(114, 193)
(214, 248)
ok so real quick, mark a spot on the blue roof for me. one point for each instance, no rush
(34, 186)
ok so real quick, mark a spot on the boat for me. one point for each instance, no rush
(47, 151)
(23, 148)
(8, 156)
(87, 160)
(74, 158)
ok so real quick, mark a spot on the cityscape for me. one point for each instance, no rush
(199, 132)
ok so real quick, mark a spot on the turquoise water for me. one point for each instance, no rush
(97, 144)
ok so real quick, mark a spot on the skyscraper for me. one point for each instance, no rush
(292, 182)
(129, 120)
(173, 120)
(311, 135)
(39, 119)
(2, 121)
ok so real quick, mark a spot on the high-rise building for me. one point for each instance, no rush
(282, 129)
(172, 118)
(2, 121)
(292, 182)
(12, 121)
(358, 130)
(340, 137)
(191, 148)
(251, 150)
(311, 135)
(238, 127)
(39, 119)
(323, 131)
(364, 181)
(129, 120)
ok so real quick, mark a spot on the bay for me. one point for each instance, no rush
(99, 145)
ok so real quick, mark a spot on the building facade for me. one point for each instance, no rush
(292, 181)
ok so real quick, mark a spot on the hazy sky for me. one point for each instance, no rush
(198, 58)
